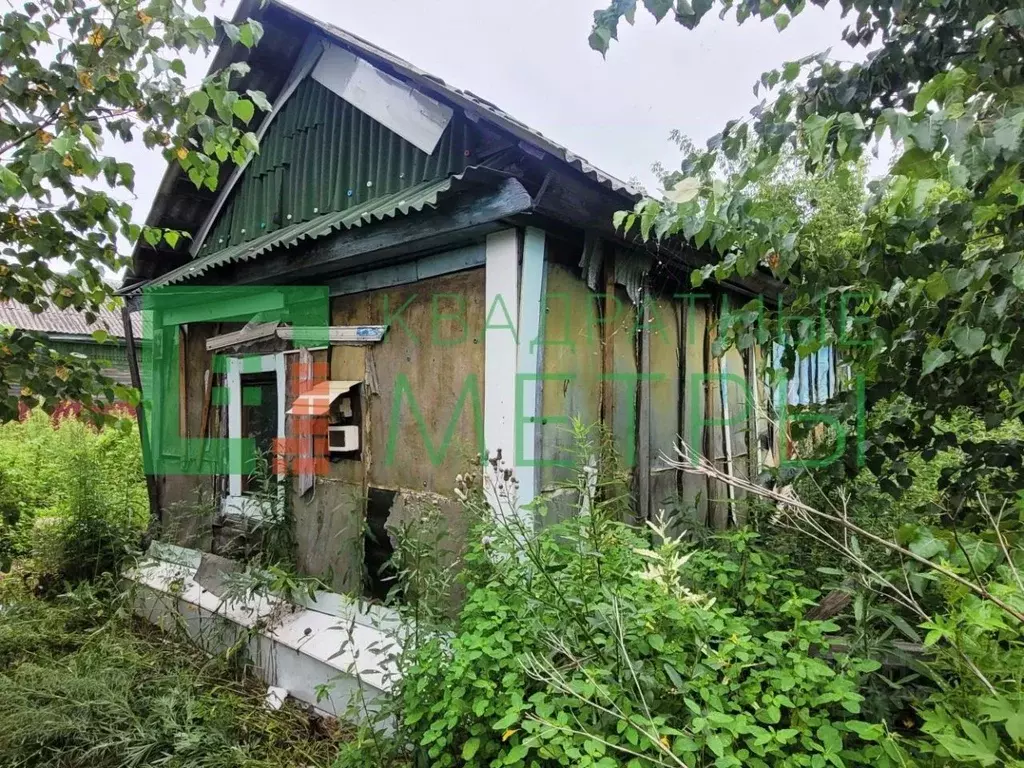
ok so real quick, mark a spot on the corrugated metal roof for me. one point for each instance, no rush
(322, 155)
(465, 99)
(416, 198)
(67, 322)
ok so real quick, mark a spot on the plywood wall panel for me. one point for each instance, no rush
(428, 358)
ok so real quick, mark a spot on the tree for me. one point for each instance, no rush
(76, 75)
(927, 300)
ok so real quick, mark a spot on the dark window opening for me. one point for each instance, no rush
(259, 424)
(377, 548)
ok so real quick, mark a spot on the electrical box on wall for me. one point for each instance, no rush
(338, 402)
(344, 438)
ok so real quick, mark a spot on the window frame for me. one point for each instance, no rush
(236, 502)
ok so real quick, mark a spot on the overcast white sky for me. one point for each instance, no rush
(531, 58)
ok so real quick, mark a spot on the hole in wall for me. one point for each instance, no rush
(377, 549)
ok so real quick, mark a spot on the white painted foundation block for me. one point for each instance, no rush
(330, 640)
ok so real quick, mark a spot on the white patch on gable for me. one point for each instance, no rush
(416, 118)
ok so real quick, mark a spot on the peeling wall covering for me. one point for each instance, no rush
(415, 441)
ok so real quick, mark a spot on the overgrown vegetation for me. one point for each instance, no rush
(73, 500)
(77, 73)
(82, 684)
(594, 642)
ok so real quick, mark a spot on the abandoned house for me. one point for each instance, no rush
(472, 293)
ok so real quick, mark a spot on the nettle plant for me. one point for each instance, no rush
(589, 645)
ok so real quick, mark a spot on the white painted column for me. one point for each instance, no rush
(513, 297)
(530, 360)
(500, 342)
(234, 383)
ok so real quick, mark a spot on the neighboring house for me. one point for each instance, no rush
(468, 260)
(68, 332)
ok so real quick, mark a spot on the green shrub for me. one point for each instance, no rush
(586, 645)
(975, 716)
(72, 498)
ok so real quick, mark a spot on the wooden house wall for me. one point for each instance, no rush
(592, 347)
(685, 393)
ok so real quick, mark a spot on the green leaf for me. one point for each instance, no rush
(470, 748)
(246, 36)
(172, 237)
(1007, 132)
(10, 181)
(781, 20)
(244, 110)
(260, 100)
(100, 336)
(926, 544)
(934, 359)
(969, 340)
(716, 745)
(936, 287)
(658, 8)
(657, 642)
(815, 130)
(917, 163)
(684, 191)
(199, 101)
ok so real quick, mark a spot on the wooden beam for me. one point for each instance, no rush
(148, 465)
(609, 318)
(643, 442)
(592, 207)
(471, 214)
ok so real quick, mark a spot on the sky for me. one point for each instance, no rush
(531, 58)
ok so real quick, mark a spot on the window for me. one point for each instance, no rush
(256, 390)
(259, 424)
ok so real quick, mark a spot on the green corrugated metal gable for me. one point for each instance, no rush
(322, 155)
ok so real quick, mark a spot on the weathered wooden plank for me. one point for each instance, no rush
(643, 453)
(736, 393)
(664, 356)
(623, 389)
(694, 434)
(714, 437)
(573, 370)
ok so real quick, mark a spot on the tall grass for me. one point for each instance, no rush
(83, 685)
(72, 498)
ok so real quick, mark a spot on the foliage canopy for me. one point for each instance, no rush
(936, 279)
(80, 79)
